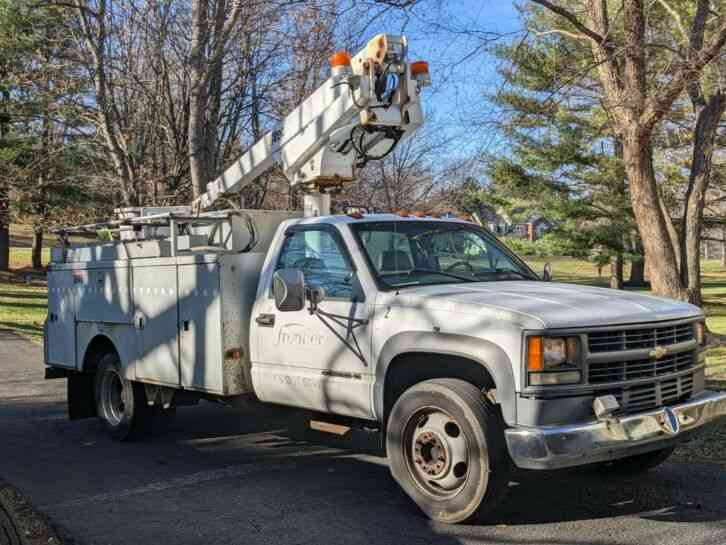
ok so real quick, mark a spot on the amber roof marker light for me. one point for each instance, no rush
(420, 72)
(340, 62)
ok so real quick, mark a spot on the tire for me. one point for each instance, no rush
(121, 403)
(640, 463)
(446, 449)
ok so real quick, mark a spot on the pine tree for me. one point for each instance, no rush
(565, 160)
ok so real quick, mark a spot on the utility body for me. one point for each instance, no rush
(427, 329)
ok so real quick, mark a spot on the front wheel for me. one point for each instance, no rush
(446, 449)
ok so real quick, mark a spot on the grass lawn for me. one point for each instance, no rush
(23, 307)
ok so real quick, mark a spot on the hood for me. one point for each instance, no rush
(553, 304)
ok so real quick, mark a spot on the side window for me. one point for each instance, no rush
(322, 261)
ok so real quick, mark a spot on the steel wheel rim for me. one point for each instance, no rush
(436, 452)
(112, 397)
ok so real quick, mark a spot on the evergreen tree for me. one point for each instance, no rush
(565, 161)
(43, 135)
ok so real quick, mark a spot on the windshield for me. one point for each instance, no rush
(421, 253)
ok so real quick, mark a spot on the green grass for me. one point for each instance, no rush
(21, 258)
(23, 309)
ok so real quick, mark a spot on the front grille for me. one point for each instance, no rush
(644, 397)
(633, 339)
(616, 371)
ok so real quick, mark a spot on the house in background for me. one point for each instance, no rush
(532, 229)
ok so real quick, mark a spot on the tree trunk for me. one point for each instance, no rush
(704, 136)
(4, 232)
(637, 273)
(616, 272)
(37, 250)
(198, 96)
(723, 247)
(4, 247)
(659, 252)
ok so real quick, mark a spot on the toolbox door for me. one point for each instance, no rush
(155, 298)
(61, 321)
(200, 327)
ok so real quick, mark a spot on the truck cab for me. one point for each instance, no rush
(569, 375)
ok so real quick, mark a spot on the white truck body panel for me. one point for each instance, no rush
(181, 322)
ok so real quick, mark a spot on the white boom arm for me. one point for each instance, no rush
(359, 114)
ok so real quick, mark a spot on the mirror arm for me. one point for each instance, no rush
(350, 327)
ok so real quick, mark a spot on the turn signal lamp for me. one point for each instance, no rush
(535, 354)
(701, 333)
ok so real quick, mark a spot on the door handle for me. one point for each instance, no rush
(266, 320)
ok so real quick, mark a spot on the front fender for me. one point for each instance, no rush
(485, 353)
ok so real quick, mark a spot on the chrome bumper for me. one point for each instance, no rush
(565, 446)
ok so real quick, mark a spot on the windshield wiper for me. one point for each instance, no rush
(503, 272)
(430, 271)
(523, 275)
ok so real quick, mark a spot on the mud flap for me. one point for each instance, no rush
(81, 402)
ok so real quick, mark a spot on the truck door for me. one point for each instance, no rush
(315, 361)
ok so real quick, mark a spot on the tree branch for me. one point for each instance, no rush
(572, 19)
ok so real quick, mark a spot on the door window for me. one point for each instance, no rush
(318, 255)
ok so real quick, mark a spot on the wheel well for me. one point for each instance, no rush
(97, 349)
(405, 370)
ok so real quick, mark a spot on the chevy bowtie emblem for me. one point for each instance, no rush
(670, 422)
(658, 353)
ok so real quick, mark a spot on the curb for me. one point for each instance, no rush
(21, 524)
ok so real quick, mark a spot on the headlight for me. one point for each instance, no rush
(553, 360)
(701, 338)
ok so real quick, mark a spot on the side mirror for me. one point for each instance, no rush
(288, 286)
(547, 272)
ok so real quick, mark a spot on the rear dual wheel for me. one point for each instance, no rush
(445, 444)
(122, 407)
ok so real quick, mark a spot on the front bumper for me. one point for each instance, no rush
(554, 447)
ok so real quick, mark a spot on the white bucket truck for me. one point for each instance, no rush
(426, 329)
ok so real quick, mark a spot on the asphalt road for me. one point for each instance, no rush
(225, 476)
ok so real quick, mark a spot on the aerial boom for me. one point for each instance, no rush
(370, 102)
